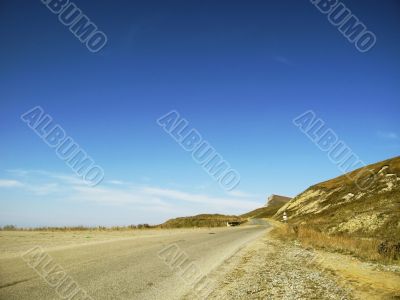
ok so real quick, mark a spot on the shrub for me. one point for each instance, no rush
(390, 250)
(10, 227)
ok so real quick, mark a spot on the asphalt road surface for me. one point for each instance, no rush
(122, 269)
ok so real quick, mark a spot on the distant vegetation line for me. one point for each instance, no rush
(202, 220)
(76, 228)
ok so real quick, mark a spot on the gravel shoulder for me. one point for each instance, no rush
(273, 269)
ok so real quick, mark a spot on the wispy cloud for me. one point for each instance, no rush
(41, 174)
(219, 202)
(39, 182)
(37, 189)
(115, 196)
(43, 189)
(387, 135)
(10, 183)
(122, 193)
(116, 182)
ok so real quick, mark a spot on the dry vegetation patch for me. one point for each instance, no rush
(364, 248)
(203, 220)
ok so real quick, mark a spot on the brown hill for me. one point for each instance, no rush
(203, 220)
(341, 206)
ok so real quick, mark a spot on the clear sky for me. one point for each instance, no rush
(238, 71)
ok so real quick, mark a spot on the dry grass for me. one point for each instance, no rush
(263, 212)
(349, 178)
(338, 206)
(203, 220)
(363, 248)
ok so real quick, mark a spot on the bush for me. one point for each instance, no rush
(141, 226)
(390, 250)
(10, 227)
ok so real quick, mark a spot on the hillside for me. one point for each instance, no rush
(262, 212)
(339, 206)
(203, 220)
(274, 203)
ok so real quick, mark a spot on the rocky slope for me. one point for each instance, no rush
(340, 206)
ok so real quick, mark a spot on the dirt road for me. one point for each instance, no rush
(109, 267)
(243, 262)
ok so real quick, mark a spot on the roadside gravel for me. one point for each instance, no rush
(271, 269)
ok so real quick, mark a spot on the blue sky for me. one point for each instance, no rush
(238, 71)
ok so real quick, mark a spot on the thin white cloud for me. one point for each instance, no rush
(41, 182)
(208, 201)
(107, 195)
(18, 172)
(37, 189)
(157, 198)
(41, 174)
(24, 173)
(387, 135)
(121, 193)
(43, 189)
(68, 179)
(10, 183)
(118, 182)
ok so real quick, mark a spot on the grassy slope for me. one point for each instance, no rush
(266, 211)
(263, 212)
(374, 212)
(203, 220)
